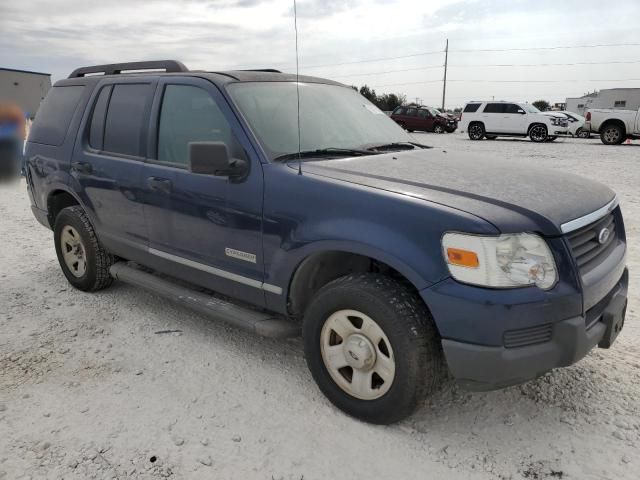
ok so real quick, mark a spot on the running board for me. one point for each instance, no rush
(264, 324)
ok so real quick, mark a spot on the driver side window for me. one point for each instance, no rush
(190, 114)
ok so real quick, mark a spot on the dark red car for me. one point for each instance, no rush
(425, 119)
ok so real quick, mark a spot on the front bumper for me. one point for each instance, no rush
(479, 367)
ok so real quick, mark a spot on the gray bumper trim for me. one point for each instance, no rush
(478, 367)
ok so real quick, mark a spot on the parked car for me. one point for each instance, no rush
(510, 119)
(425, 119)
(575, 123)
(614, 126)
(392, 259)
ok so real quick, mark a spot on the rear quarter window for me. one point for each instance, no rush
(494, 108)
(54, 115)
(471, 107)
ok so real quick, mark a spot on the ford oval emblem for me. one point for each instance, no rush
(603, 236)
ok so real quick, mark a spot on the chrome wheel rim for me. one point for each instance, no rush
(612, 135)
(538, 133)
(73, 251)
(357, 354)
(438, 129)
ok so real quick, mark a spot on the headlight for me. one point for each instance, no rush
(505, 261)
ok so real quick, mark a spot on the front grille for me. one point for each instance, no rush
(528, 336)
(587, 249)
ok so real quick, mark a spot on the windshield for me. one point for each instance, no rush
(330, 117)
(529, 108)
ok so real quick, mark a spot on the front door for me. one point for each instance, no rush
(202, 228)
(515, 119)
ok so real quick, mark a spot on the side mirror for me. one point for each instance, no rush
(212, 158)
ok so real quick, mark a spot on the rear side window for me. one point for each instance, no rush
(126, 116)
(399, 111)
(471, 107)
(96, 131)
(494, 108)
(54, 116)
(412, 112)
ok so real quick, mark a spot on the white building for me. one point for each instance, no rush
(618, 98)
(24, 88)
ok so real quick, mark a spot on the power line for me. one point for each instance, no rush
(511, 81)
(372, 60)
(428, 67)
(547, 48)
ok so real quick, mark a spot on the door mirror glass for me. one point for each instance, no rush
(212, 158)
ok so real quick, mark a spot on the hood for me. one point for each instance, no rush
(511, 196)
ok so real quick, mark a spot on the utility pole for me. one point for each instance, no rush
(444, 85)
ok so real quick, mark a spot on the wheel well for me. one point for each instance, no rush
(537, 123)
(321, 268)
(474, 122)
(617, 122)
(56, 202)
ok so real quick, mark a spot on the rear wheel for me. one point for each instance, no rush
(538, 133)
(476, 131)
(83, 260)
(612, 134)
(372, 347)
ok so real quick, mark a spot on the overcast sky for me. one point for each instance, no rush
(57, 36)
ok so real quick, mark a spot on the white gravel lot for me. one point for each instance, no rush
(88, 389)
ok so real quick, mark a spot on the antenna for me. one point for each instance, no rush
(295, 24)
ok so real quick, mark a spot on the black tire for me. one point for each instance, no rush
(538, 133)
(97, 260)
(583, 133)
(612, 134)
(491, 137)
(476, 131)
(410, 330)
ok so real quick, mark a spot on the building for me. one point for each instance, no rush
(617, 98)
(24, 88)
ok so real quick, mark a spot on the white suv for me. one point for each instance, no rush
(510, 119)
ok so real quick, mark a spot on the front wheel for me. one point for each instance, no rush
(372, 347)
(438, 129)
(538, 133)
(583, 133)
(83, 259)
(476, 131)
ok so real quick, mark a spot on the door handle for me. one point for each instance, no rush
(158, 184)
(81, 167)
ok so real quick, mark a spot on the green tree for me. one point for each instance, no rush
(542, 105)
(369, 93)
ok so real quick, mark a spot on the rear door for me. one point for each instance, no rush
(107, 163)
(411, 119)
(205, 229)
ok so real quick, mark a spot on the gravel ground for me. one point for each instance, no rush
(90, 388)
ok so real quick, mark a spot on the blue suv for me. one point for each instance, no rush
(397, 262)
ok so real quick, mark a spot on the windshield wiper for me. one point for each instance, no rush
(397, 146)
(324, 152)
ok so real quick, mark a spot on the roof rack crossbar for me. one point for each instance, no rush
(169, 66)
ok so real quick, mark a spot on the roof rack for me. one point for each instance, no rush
(169, 66)
(268, 70)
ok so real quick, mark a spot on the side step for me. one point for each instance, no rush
(264, 324)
